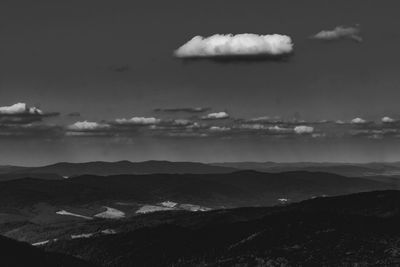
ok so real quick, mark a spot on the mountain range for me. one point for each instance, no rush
(65, 170)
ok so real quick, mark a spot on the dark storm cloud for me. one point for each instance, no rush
(239, 47)
(184, 109)
(339, 33)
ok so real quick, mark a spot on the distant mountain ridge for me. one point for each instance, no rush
(59, 171)
(120, 167)
(345, 169)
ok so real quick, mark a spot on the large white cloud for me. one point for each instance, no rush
(216, 116)
(138, 121)
(340, 32)
(246, 44)
(19, 108)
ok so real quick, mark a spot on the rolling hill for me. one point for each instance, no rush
(347, 230)
(243, 188)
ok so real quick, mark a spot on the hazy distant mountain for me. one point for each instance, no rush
(66, 170)
(18, 254)
(335, 231)
(121, 167)
(345, 169)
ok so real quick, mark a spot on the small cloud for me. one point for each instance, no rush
(188, 110)
(219, 129)
(256, 126)
(19, 108)
(229, 46)
(216, 116)
(302, 129)
(358, 121)
(20, 113)
(387, 120)
(88, 126)
(138, 121)
(260, 119)
(182, 122)
(318, 135)
(340, 32)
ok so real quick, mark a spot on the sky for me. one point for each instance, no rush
(124, 80)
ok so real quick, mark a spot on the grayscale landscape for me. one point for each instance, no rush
(199, 133)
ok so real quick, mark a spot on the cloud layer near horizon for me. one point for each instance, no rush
(20, 120)
(239, 45)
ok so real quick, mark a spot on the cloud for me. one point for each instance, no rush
(117, 127)
(20, 113)
(219, 129)
(19, 108)
(216, 116)
(138, 121)
(246, 45)
(261, 119)
(182, 122)
(88, 126)
(184, 109)
(358, 121)
(302, 129)
(340, 32)
(387, 120)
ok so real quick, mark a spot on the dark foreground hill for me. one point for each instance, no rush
(355, 230)
(243, 188)
(18, 254)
